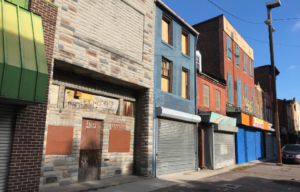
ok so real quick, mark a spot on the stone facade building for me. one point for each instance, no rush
(101, 92)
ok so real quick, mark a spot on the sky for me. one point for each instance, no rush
(287, 58)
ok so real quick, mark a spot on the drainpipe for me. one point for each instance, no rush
(196, 111)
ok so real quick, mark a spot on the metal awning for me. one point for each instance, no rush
(173, 114)
(23, 62)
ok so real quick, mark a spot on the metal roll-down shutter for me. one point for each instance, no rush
(7, 122)
(269, 145)
(224, 149)
(175, 147)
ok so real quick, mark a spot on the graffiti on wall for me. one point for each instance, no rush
(90, 102)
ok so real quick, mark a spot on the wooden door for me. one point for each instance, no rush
(89, 150)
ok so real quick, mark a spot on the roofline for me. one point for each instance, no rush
(220, 81)
(177, 16)
(207, 20)
(276, 70)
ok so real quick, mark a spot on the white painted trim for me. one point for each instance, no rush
(173, 114)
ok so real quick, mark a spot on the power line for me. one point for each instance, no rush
(234, 15)
(274, 43)
(251, 21)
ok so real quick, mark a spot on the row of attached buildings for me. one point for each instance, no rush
(100, 89)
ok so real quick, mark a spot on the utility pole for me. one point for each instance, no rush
(270, 5)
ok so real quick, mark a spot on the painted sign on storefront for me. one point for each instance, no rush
(221, 119)
(91, 102)
(257, 123)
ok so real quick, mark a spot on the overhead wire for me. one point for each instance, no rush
(250, 21)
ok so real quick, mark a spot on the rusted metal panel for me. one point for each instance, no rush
(59, 140)
(88, 165)
(119, 141)
(116, 125)
(90, 134)
(128, 109)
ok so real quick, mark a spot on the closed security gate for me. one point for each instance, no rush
(269, 145)
(224, 149)
(7, 121)
(249, 144)
(176, 150)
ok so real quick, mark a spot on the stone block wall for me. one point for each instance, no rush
(27, 144)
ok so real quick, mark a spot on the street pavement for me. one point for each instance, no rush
(263, 177)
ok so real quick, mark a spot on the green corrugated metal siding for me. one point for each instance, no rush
(21, 3)
(23, 62)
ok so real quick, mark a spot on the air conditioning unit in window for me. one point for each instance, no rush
(198, 61)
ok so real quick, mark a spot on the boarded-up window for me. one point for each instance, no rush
(218, 100)
(119, 141)
(185, 42)
(185, 84)
(166, 76)
(166, 29)
(206, 96)
(59, 140)
(127, 109)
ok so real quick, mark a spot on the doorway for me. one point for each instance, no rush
(89, 150)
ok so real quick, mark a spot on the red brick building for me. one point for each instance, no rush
(227, 56)
(263, 76)
(217, 99)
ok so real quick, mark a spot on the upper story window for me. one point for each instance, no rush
(185, 84)
(229, 87)
(206, 96)
(166, 76)
(166, 29)
(228, 46)
(237, 55)
(250, 67)
(185, 42)
(244, 62)
(218, 100)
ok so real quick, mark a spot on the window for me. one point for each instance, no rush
(166, 76)
(206, 96)
(250, 66)
(237, 55)
(244, 62)
(246, 92)
(229, 79)
(185, 91)
(185, 42)
(228, 46)
(239, 92)
(252, 100)
(166, 29)
(218, 100)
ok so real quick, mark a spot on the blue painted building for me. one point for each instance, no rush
(174, 116)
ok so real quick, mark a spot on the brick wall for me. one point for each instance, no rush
(213, 86)
(27, 146)
(209, 44)
(111, 43)
(238, 72)
(262, 75)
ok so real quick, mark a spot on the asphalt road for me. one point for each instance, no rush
(264, 177)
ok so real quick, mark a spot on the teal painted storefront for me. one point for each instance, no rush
(173, 53)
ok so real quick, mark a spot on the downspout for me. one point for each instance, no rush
(196, 130)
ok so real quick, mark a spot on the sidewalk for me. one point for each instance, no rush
(141, 184)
